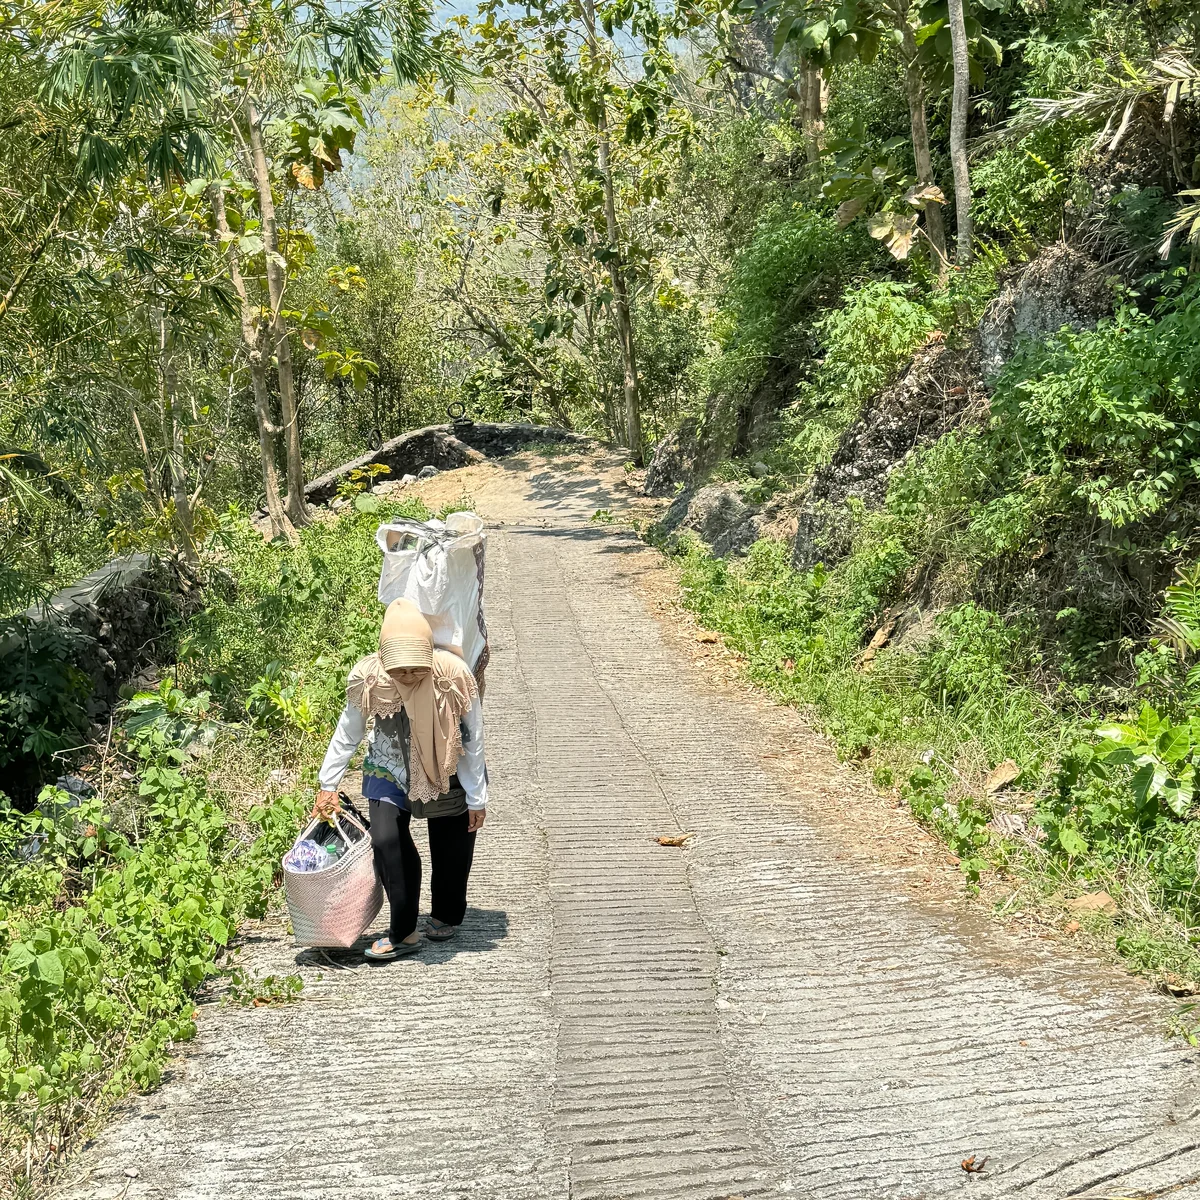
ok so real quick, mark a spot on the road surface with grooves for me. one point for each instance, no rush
(746, 1017)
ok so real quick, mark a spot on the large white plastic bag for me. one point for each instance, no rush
(439, 567)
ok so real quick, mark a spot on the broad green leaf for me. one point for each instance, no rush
(1122, 735)
(1072, 841)
(990, 48)
(1174, 743)
(50, 968)
(19, 958)
(927, 31)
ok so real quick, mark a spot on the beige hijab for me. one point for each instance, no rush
(435, 704)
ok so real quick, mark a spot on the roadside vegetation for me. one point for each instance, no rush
(117, 906)
(922, 276)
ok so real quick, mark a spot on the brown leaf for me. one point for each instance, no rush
(674, 839)
(880, 226)
(303, 176)
(259, 1002)
(706, 637)
(329, 156)
(1001, 776)
(848, 210)
(900, 243)
(1071, 927)
(921, 195)
(1176, 985)
(972, 1167)
(1097, 902)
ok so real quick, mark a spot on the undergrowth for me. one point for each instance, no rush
(1099, 805)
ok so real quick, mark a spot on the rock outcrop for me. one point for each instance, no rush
(1060, 287)
(718, 515)
(676, 460)
(116, 618)
(941, 388)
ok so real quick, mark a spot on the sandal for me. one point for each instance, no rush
(385, 950)
(439, 931)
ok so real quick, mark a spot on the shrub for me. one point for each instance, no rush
(1110, 412)
(870, 337)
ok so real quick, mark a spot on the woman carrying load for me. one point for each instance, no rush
(424, 760)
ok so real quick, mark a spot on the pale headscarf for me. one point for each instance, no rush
(434, 704)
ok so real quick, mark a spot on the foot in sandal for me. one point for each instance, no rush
(439, 931)
(384, 949)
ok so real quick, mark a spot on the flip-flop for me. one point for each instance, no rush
(439, 932)
(395, 950)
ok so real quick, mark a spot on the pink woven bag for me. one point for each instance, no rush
(332, 907)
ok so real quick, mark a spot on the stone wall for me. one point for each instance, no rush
(111, 625)
(118, 617)
(445, 447)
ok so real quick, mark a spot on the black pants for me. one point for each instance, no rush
(451, 851)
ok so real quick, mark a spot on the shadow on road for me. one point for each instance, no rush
(484, 929)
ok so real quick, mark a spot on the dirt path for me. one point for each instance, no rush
(762, 1013)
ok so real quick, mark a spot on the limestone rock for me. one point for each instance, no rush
(1095, 902)
(941, 389)
(675, 461)
(718, 515)
(1060, 287)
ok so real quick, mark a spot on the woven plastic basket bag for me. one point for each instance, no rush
(332, 907)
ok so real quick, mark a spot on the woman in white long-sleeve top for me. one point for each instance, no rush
(424, 760)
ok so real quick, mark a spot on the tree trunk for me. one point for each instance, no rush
(252, 336)
(959, 112)
(814, 92)
(276, 282)
(173, 440)
(914, 88)
(621, 313)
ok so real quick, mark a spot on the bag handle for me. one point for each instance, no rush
(352, 817)
(353, 808)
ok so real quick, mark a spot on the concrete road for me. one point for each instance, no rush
(747, 1016)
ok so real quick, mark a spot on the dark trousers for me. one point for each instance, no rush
(451, 852)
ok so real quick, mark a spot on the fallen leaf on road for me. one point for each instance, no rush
(972, 1167)
(706, 637)
(1001, 776)
(1098, 902)
(1176, 985)
(674, 839)
(259, 1002)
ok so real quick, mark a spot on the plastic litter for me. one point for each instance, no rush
(305, 855)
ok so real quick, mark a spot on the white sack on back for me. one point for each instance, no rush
(439, 567)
